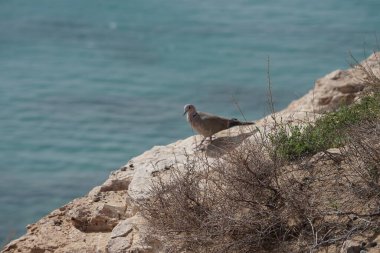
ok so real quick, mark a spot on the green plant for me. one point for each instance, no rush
(293, 142)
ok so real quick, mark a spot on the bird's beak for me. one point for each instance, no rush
(185, 112)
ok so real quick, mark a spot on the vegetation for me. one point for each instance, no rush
(296, 141)
(262, 197)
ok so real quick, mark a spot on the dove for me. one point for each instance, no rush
(208, 124)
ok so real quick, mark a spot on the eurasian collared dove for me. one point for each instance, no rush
(208, 124)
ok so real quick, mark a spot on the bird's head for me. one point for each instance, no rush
(189, 109)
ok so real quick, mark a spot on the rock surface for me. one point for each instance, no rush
(337, 88)
(108, 220)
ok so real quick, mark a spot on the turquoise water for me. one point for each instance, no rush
(87, 85)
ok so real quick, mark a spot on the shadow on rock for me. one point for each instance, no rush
(223, 145)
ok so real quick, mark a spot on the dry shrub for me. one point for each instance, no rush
(363, 157)
(231, 204)
(254, 199)
(249, 201)
(371, 76)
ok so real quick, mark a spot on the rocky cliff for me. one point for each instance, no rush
(107, 219)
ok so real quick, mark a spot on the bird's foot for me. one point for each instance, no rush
(202, 146)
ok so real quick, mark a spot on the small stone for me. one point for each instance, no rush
(57, 222)
(122, 229)
(335, 75)
(96, 198)
(324, 100)
(118, 244)
(372, 244)
(350, 88)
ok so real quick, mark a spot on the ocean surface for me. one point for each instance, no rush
(87, 85)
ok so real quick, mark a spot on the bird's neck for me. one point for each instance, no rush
(192, 115)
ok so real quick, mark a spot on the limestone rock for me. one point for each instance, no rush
(96, 217)
(57, 232)
(337, 88)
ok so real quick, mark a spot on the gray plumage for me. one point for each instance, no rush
(208, 124)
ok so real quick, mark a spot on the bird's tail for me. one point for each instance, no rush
(235, 122)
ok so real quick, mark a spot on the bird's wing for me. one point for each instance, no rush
(213, 123)
(206, 116)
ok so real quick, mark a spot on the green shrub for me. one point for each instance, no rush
(294, 142)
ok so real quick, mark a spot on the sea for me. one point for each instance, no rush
(87, 85)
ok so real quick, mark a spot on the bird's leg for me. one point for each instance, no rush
(199, 146)
(205, 138)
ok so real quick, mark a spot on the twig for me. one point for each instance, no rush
(339, 213)
(271, 103)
